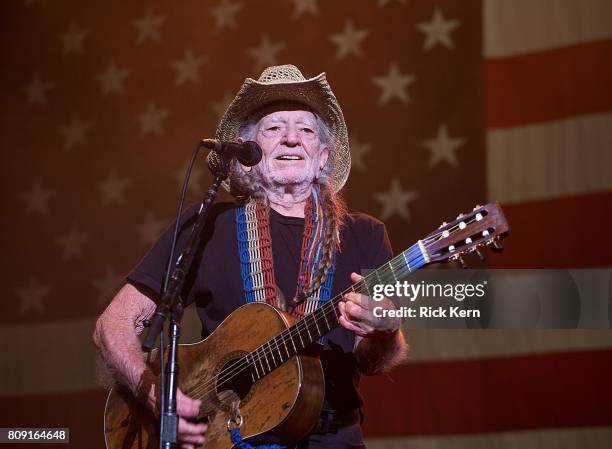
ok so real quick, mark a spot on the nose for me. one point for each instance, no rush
(291, 136)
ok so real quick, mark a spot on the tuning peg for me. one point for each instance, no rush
(460, 216)
(495, 245)
(478, 206)
(442, 225)
(461, 262)
(457, 258)
(480, 255)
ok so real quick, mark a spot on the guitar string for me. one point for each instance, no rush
(260, 352)
(243, 363)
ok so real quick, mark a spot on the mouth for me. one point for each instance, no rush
(289, 157)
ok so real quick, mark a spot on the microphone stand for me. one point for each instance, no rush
(171, 307)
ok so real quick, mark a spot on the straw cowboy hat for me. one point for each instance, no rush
(286, 83)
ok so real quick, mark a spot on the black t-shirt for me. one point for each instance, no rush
(215, 283)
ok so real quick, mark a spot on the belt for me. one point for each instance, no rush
(332, 420)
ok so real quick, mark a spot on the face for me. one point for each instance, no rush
(292, 150)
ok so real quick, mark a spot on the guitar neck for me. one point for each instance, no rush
(318, 323)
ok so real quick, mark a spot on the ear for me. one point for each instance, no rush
(324, 154)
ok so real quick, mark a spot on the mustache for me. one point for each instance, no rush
(300, 152)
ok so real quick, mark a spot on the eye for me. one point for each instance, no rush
(273, 128)
(307, 130)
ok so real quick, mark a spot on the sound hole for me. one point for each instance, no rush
(234, 379)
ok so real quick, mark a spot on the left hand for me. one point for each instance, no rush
(357, 314)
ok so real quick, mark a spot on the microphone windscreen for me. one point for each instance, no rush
(252, 154)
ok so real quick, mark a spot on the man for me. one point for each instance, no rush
(306, 250)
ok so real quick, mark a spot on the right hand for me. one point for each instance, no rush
(190, 434)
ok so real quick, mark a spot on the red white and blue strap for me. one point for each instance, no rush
(255, 253)
(256, 261)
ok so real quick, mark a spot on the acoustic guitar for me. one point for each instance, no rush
(255, 370)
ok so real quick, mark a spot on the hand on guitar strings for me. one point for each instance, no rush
(357, 314)
(190, 434)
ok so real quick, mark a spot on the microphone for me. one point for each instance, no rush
(248, 153)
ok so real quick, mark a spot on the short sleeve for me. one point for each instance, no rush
(381, 251)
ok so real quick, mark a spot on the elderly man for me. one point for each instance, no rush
(306, 246)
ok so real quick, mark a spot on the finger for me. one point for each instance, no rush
(356, 277)
(354, 312)
(350, 326)
(343, 307)
(187, 428)
(363, 317)
(359, 312)
(187, 446)
(343, 317)
(194, 439)
(353, 297)
(364, 301)
(186, 406)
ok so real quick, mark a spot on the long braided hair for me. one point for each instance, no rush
(335, 210)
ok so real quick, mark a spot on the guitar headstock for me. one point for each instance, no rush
(484, 226)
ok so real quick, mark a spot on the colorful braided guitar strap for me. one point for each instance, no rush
(257, 264)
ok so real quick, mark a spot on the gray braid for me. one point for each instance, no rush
(335, 209)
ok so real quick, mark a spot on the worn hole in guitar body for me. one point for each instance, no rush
(234, 381)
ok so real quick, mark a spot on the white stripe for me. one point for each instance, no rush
(69, 364)
(522, 26)
(255, 253)
(553, 159)
(584, 438)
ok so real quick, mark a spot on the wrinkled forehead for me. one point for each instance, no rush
(281, 109)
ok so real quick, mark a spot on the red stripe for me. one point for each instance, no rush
(433, 398)
(491, 395)
(82, 413)
(571, 232)
(549, 85)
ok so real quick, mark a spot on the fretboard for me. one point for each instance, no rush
(318, 323)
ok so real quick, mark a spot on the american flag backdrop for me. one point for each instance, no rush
(449, 103)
